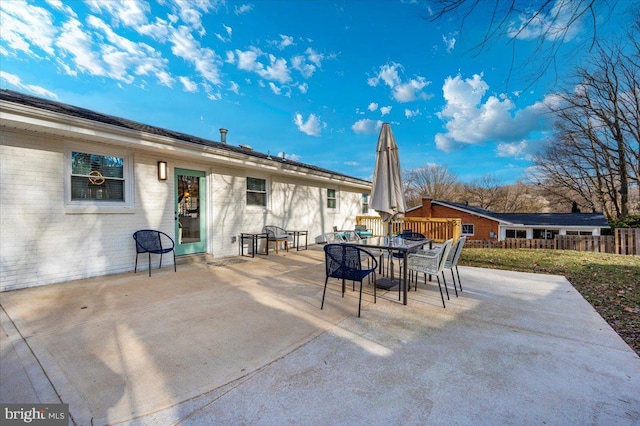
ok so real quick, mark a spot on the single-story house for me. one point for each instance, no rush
(76, 184)
(482, 224)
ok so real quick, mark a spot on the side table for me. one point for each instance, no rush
(254, 238)
(296, 238)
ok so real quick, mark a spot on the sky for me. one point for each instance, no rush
(311, 80)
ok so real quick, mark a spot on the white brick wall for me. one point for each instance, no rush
(42, 242)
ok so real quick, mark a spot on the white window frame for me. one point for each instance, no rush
(365, 202)
(267, 190)
(93, 206)
(336, 197)
(473, 229)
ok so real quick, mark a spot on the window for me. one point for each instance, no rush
(332, 201)
(365, 203)
(467, 229)
(97, 178)
(256, 192)
(545, 234)
(515, 233)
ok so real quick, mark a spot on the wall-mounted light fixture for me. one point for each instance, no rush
(162, 170)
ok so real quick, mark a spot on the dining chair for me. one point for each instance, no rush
(407, 235)
(344, 261)
(452, 261)
(431, 263)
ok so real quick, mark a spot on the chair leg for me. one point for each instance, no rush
(323, 293)
(360, 299)
(174, 262)
(149, 263)
(441, 295)
(135, 269)
(454, 282)
(375, 294)
(445, 284)
(453, 277)
(459, 282)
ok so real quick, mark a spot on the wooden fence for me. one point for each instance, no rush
(437, 229)
(625, 241)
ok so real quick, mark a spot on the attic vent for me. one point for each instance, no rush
(246, 147)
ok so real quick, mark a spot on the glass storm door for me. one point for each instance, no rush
(190, 213)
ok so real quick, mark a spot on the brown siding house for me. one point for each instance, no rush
(482, 224)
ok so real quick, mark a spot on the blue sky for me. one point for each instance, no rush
(312, 80)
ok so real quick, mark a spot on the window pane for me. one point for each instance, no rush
(510, 233)
(254, 184)
(331, 193)
(331, 203)
(83, 188)
(467, 228)
(521, 234)
(256, 199)
(107, 166)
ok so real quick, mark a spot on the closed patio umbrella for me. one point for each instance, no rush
(387, 196)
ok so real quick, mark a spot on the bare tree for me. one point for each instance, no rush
(483, 192)
(432, 180)
(594, 152)
(550, 23)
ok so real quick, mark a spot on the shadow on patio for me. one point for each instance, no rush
(247, 343)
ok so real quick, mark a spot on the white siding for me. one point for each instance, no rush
(44, 242)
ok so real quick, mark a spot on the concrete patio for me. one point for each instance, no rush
(243, 341)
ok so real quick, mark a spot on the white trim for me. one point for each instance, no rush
(96, 207)
(267, 186)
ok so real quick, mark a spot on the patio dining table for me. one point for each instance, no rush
(400, 245)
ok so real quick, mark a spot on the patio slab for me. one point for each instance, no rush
(246, 343)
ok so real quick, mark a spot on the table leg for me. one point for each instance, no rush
(404, 278)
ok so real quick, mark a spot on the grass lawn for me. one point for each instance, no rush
(611, 283)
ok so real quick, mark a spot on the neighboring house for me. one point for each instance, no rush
(482, 224)
(76, 184)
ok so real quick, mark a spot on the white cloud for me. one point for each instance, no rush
(472, 120)
(227, 38)
(242, 9)
(372, 106)
(131, 13)
(304, 87)
(234, 87)
(275, 89)
(385, 110)
(558, 23)
(449, 41)
(15, 81)
(298, 63)
(516, 149)
(312, 127)
(188, 84)
(204, 60)
(292, 157)
(284, 42)
(25, 27)
(57, 4)
(402, 91)
(388, 73)
(277, 70)
(366, 126)
(411, 90)
(411, 113)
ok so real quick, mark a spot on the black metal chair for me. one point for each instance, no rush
(344, 261)
(156, 242)
(407, 235)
